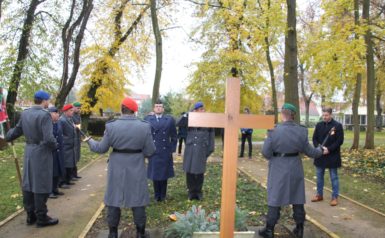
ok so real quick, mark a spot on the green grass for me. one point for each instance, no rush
(365, 189)
(10, 195)
(250, 197)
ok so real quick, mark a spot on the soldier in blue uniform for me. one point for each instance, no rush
(182, 134)
(160, 165)
(58, 165)
(36, 125)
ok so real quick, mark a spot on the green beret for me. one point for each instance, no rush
(290, 107)
(77, 104)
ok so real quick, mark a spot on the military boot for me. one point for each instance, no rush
(31, 218)
(267, 232)
(113, 232)
(141, 231)
(46, 221)
(298, 230)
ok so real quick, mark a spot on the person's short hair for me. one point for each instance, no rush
(288, 113)
(246, 109)
(37, 101)
(126, 111)
(328, 110)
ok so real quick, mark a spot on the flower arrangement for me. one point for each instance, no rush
(196, 220)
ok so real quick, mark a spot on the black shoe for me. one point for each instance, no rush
(65, 186)
(74, 179)
(113, 232)
(77, 177)
(47, 221)
(141, 232)
(31, 218)
(58, 193)
(267, 232)
(298, 230)
(52, 195)
(69, 183)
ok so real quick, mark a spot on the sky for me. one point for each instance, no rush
(179, 52)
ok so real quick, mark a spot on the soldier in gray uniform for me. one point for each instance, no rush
(131, 142)
(69, 142)
(77, 121)
(285, 182)
(36, 125)
(200, 143)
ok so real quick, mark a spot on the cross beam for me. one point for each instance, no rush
(231, 121)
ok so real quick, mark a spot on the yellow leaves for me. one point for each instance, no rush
(16, 195)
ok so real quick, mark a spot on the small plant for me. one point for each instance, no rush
(196, 220)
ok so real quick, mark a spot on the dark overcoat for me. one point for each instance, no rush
(77, 121)
(333, 143)
(58, 160)
(69, 141)
(160, 164)
(126, 179)
(285, 182)
(36, 125)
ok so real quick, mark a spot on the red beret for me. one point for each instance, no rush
(130, 104)
(67, 107)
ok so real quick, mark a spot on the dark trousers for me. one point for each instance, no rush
(180, 144)
(194, 185)
(69, 173)
(55, 184)
(75, 171)
(244, 138)
(160, 189)
(274, 213)
(36, 203)
(113, 216)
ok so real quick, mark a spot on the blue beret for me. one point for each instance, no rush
(53, 109)
(198, 105)
(42, 95)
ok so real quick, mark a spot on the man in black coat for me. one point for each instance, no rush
(331, 134)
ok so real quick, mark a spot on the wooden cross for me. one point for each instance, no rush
(231, 121)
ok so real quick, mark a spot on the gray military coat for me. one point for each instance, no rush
(200, 143)
(36, 125)
(77, 121)
(70, 145)
(126, 179)
(285, 182)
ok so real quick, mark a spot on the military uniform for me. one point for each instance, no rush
(160, 165)
(285, 182)
(131, 141)
(69, 145)
(36, 125)
(76, 118)
(200, 143)
(58, 163)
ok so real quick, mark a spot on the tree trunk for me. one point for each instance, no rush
(379, 107)
(271, 68)
(1, 4)
(119, 39)
(20, 61)
(357, 89)
(370, 88)
(306, 99)
(290, 76)
(67, 35)
(159, 56)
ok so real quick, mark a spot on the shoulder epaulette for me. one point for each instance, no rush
(142, 120)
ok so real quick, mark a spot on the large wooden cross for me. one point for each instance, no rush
(231, 121)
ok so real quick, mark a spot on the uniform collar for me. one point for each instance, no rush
(127, 117)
